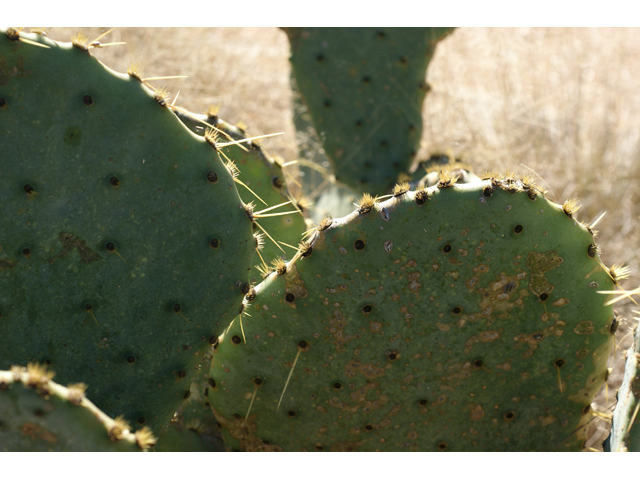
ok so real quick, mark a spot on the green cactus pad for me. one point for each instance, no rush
(124, 245)
(625, 427)
(364, 89)
(38, 415)
(459, 318)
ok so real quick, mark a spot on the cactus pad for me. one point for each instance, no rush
(461, 318)
(37, 414)
(124, 245)
(364, 89)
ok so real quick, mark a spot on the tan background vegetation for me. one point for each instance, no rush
(563, 103)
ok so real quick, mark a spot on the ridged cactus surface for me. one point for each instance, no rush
(460, 318)
(38, 415)
(364, 88)
(124, 246)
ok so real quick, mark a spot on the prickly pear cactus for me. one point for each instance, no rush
(459, 317)
(625, 427)
(364, 88)
(37, 414)
(124, 246)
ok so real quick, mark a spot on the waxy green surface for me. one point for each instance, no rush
(109, 208)
(471, 322)
(364, 89)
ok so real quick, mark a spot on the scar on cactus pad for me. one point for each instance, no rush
(458, 318)
(113, 213)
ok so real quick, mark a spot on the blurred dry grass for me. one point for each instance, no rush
(564, 103)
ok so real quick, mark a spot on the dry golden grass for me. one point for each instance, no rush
(563, 103)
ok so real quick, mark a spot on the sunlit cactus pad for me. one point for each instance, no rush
(124, 245)
(458, 318)
(364, 89)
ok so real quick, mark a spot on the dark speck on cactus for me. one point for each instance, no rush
(277, 182)
(212, 176)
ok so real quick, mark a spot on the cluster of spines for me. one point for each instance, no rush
(509, 182)
(513, 183)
